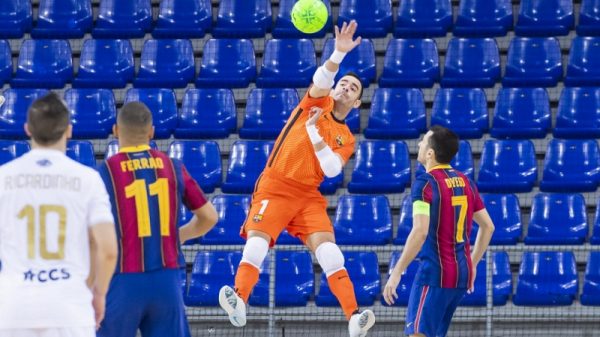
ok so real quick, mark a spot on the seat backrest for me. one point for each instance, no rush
(368, 14)
(248, 13)
(472, 57)
(548, 266)
(216, 266)
(45, 58)
(269, 108)
(106, 58)
(584, 57)
(570, 158)
(588, 12)
(232, 211)
(363, 268)
(579, 107)
(294, 272)
(185, 14)
(484, 13)
(424, 12)
(288, 57)
(91, 109)
(82, 151)
(412, 56)
(13, 113)
(201, 158)
(363, 218)
(6, 67)
(458, 108)
(390, 106)
(361, 60)
(10, 150)
(65, 14)
(163, 57)
(522, 107)
(227, 57)
(205, 108)
(544, 11)
(386, 160)
(17, 12)
(558, 214)
(247, 159)
(592, 269)
(512, 159)
(125, 13)
(505, 211)
(533, 56)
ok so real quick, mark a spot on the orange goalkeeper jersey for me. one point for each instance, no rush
(293, 155)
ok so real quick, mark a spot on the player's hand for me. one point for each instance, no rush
(99, 303)
(313, 115)
(473, 275)
(344, 35)
(389, 292)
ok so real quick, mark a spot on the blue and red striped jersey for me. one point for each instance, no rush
(146, 188)
(446, 254)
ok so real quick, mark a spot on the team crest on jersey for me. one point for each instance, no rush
(257, 217)
(339, 140)
(43, 162)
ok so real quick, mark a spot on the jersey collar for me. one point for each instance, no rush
(137, 148)
(441, 167)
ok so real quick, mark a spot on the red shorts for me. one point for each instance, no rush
(281, 203)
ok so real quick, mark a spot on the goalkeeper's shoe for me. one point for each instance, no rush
(360, 323)
(233, 305)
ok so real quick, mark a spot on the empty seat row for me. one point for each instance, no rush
(78, 150)
(231, 63)
(367, 220)
(253, 19)
(545, 278)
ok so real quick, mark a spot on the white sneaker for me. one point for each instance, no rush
(233, 305)
(361, 323)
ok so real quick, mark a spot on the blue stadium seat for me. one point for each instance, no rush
(374, 17)
(227, 63)
(202, 160)
(183, 282)
(105, 64)
(232, 210)
(207, 113)
(353, 120)
(557, 219)
(6, 66)
(595, 238)
(571, 166)
(505, 211)
(406, 281)
(483, 18)
(166, 63)
(507, 166)
(330, 185)
(360, 60)
(82, 151)
(113, 147)
(123, 19)
(287, 63)
(93, 112)
(471, 62)
(591, 283)
(582, 69)
(267, 110)
(545, 18)
(284, 28)
(410, 63)
(163, 105)
(294, 278)
(13, 113)
(589, 18)
(501, 280)
(546, 278)
(11, 149)
(396, 113)
(15, 18)
(286, 239)
(405, 222)
(212, 270)
(423, 18)
(533, 62)
(363, 220)
(381, 167)
(63, 19)
(246, 161)
(183, 19)
(243, 19)
(578, 114)
(462, 161)
(363, 269)
(521, 113)
(462, 110)
(43, 64)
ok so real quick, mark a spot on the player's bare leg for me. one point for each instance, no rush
(331, 260)
(233, 300)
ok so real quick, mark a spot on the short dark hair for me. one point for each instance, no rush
(444, 143)
(135, 117)
(47, 119)
(355, 75)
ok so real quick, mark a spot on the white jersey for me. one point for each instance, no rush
(47, 204)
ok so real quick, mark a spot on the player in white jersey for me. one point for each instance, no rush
(55, 219)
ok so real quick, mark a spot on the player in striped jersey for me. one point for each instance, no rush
(445, 203)
(147, 188)
(314, 143)
(56, 218)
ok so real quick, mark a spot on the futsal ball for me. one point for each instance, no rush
(309, 16)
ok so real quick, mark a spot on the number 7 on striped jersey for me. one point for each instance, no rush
(461, 201)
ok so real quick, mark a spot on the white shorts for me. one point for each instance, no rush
(50, 332)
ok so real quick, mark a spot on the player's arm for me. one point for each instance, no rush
(484, 235)
(331, 163)
(203, 221)
(323, 79)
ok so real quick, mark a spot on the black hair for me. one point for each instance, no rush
(444, 144)
(47, 119)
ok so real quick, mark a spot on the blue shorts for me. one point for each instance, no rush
(151, 302)
(430, 309)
